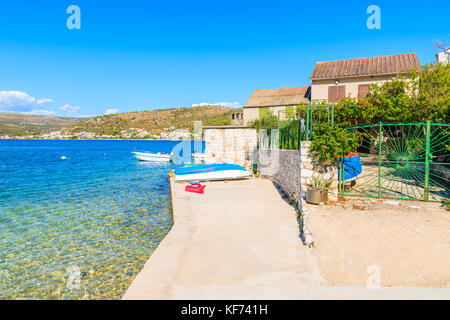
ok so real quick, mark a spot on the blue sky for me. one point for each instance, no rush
(141, 55)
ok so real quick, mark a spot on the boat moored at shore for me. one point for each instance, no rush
(152, 157)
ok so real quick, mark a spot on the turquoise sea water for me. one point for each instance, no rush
(83, 227)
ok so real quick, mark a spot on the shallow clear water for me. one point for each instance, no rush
(83, 227)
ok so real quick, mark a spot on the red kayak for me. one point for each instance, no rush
(195, 187)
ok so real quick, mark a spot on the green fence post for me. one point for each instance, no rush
(427, 160)
(299, 128)
(379, 160)
(328, 114)
(332, 115)
(293, 136)
(340, 177)
(307, 123)
(278, 120)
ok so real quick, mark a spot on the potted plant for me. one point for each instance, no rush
(317, 190)
(313, 192)
(324, 187)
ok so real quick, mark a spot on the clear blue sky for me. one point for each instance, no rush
(141, 55)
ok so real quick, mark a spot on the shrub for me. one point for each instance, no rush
(353, 111)
(266, 121)
(330, 143)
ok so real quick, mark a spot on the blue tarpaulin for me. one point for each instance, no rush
(352, 167)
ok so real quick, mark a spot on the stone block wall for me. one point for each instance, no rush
(230, 145)
(291, 169)
(284, 168)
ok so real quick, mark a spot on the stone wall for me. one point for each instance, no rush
(284, 167)
(235, 145)
(291, 169)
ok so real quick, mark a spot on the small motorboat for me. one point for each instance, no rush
(152, 157)
(222, 171)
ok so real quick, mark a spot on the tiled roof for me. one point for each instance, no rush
(381, 65)
(279, 97)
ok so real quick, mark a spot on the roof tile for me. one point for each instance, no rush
(365, 66)
(278, 97)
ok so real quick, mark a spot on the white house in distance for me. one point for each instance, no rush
(333, 80)
(280, 102)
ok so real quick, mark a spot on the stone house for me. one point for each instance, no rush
(333, 80)
(280, 102)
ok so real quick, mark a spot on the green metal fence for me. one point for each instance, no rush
(408, 161)
(302, 129)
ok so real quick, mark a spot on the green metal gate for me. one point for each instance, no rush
(409, 161)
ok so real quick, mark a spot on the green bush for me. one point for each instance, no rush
(353, 111)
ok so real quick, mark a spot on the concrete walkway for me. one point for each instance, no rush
(240, 241)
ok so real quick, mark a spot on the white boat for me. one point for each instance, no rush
(152, 157)
(223, 171)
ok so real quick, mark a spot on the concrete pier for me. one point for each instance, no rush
(238, 234)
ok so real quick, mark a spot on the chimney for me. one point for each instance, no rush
(442, 57)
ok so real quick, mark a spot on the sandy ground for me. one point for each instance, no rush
(410, 246)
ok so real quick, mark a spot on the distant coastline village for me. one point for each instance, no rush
(132, 133)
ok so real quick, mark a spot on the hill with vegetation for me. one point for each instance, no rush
(19, 124)
(155, 121)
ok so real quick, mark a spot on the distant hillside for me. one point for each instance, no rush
(155, 121)
(19, 124)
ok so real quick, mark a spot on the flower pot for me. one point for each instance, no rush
(324, 196)
(313, 196)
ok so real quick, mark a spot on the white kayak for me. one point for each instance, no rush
(223, 171)
(153, 157)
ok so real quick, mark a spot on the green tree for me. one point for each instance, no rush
(431, 87)
(392, 100)
(266, 121)
(425, 96)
